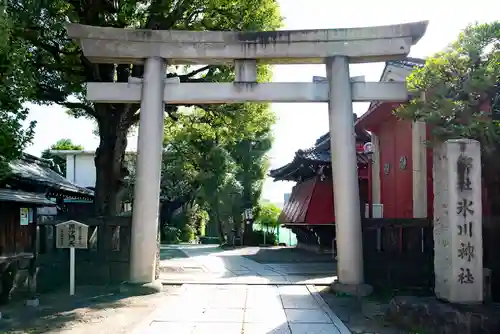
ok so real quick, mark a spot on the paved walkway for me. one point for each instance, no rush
(244, 309)
(224, 292)
(208, 264)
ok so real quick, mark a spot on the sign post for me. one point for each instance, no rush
(72, 234)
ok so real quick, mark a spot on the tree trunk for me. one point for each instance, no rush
(109, 161)
(247, 200)
(220, 229)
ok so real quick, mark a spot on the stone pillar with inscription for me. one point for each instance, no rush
(458, 242)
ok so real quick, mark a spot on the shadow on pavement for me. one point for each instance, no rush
(58, 308)
(287, 255)
(168, 253)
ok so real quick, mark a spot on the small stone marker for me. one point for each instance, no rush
(72, 235)
(458, 241)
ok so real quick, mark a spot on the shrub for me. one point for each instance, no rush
(187, 233)
(171, 235)
(257, 238)
(209, 240)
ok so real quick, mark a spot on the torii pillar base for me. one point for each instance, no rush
(356, 290)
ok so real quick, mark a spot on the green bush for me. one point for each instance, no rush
(171, 235)
(257, 238)
(209, 240)
(187, 233)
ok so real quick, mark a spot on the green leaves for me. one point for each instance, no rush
(456, 88)
(197, 142)
(61, 145)
(15, 87)
(268, 215)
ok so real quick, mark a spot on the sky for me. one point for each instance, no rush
(300, 124)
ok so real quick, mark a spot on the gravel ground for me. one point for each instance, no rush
(92, 310)
(362, 316)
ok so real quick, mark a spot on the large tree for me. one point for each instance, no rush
(62, 69)
(457, 93)
(61, 145)
(217, 159)
(15, 88)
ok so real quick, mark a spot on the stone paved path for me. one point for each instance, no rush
(208, 264)
(225, 292)
(244, 309)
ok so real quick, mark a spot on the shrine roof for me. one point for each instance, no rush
(9, 195)
(38, 171)
(306, 162)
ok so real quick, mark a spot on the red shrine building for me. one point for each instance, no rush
(395, 177)
(402, 163)
(309, 212)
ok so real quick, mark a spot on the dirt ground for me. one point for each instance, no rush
(97, 310)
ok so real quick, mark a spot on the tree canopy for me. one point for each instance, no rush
(61, 145)
(15, 88)
(62, 70)
(216, 157)
(268, 215)
(457, 93)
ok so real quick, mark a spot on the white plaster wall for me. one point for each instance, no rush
(80, 169)
(70, 167)
(85, 174)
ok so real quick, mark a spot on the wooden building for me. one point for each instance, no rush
(309, 212)
(30, 194)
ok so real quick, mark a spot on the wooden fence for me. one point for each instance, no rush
(399, 253)
(106, 261)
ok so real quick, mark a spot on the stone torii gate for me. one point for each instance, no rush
(336, 48)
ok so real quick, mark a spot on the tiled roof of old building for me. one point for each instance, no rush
(9, 195)
(35, 170)
(306, 161)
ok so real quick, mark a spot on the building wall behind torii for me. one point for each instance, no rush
(404, 192)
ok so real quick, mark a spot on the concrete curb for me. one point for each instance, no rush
(343, 329)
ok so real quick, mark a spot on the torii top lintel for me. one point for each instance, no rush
(368, 44)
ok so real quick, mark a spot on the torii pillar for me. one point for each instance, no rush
(145, 212)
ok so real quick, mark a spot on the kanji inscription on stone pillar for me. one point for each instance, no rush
(458, 242)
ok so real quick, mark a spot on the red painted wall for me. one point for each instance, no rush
(296, 208)
(321, 207)
(396, 186)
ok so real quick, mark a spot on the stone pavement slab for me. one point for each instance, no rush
(243, 309)
(208, 264)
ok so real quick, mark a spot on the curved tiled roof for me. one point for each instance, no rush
(33, 169)
(318, 155)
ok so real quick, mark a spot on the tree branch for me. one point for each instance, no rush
(193, 73)
(79, 105)
(155, 22)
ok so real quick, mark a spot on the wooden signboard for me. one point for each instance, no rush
(72, 234)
